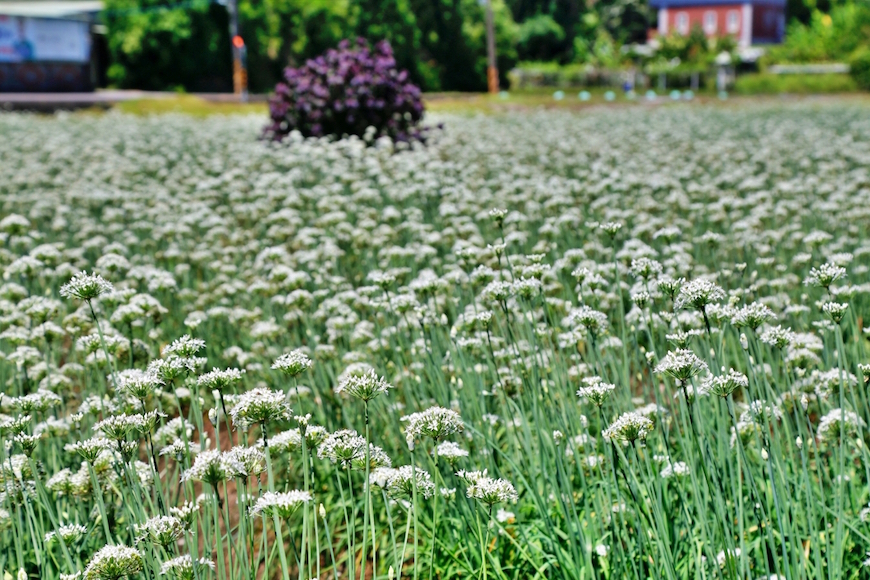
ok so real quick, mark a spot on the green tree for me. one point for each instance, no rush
(453, 42)
(279, 33)
(474, 30)
(540, 38)
(833, 36)
(442, 43)
(156, 48)
(625, 20)
(532, 15)
(395, 21)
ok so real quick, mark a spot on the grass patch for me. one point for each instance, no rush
(767, 84)
(515, 101)
(190, 105)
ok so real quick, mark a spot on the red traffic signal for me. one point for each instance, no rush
(238, 42)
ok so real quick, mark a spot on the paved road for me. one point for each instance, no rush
(65, 101)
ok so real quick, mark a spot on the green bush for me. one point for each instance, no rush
(827, 37)
(770, 84)
(154, 48)
(860, 68)
(540, 38)
(537, 75)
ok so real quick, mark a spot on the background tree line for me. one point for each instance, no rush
(160, 44)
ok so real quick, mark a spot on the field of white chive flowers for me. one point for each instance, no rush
(620, 345)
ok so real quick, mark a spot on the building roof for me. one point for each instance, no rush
(69, 9)
(702, 3)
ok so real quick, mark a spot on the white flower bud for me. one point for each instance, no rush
(764, 454)
(744, 342)
(321, 511)
(799, 442)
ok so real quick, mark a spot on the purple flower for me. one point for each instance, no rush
(345, 91)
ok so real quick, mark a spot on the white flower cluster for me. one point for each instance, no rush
(259, 406)
(86, 287)
(698, 294)
(182, 567)
(364, 387)
(629, 427)
(113, 562)
(596, 391)
(403, 482)
(213, 467)
(837, 422)
(724, 385)
(435, 422)
(293, 363)
(220, 380)
(281, 504)
(681, 365)
(491, 491)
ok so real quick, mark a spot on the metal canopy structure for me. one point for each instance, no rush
(46, 45)
(65, 9)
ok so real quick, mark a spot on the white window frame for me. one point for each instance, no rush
(711, 22)
(732, 22)
(681, 23)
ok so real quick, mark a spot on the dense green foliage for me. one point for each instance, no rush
(540, 38)
(441, 43)
(160, 45)
(453, 41)
(860, 67)
(826, 37)
(156, 49)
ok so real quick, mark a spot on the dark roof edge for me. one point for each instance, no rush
(702, 3)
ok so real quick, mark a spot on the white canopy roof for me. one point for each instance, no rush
(76, 9)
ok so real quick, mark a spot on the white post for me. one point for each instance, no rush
(663, 21)
(746, 26)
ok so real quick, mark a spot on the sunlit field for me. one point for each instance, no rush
(615, 344)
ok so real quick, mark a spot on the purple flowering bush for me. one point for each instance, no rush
(346, 91)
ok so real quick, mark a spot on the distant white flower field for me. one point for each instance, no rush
(618, 345)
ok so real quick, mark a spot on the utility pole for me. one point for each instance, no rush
(492, 67)
(240, 70)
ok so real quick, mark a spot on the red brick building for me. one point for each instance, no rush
(748, 21)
